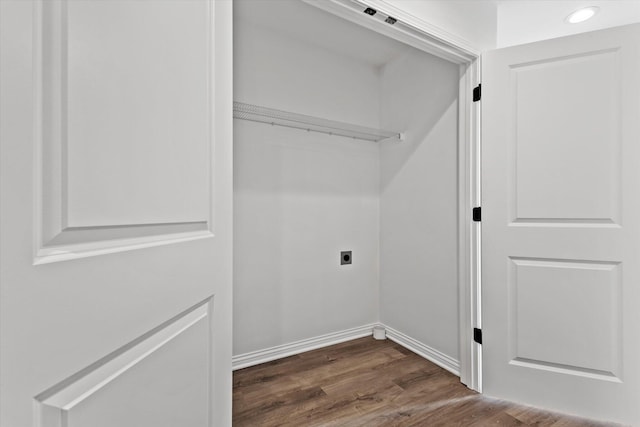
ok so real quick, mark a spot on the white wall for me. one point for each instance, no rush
(521, 21)
(418, 202)
(301, 198)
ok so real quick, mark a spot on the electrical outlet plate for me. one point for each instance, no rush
(345, 257)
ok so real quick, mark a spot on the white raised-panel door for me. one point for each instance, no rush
(116, 203)
(561, 224)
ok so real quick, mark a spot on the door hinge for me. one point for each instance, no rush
(477, 93)
(477, 335)
(477, 214)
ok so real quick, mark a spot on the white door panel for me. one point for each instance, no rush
(150, 101)
(116, 199)
(551, 124)
(561, 238)
(159, 380)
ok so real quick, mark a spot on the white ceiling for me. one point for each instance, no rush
(524, 21)
(293, 18)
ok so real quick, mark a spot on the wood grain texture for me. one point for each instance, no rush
(365, 382)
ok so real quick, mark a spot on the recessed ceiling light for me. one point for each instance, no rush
(582, 15)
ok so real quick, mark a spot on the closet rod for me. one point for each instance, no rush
(272, 116)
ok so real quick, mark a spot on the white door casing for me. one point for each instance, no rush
(115, 213)
(560, 230)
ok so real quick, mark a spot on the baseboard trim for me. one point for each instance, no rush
(267, 355)
(433, 355)
(278, 352)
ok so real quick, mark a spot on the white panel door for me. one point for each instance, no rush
(561, 224)
(116, 203)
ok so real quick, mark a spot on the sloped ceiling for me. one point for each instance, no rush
(313, 26)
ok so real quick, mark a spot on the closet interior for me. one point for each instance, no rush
(344, 140)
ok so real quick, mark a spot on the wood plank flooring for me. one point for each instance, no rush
(365, 382)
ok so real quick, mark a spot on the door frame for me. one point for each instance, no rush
(424, 36)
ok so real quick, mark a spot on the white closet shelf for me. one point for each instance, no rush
(272, 116)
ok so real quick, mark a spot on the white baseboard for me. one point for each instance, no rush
(267, 355)
(450, 364)
(278, 352)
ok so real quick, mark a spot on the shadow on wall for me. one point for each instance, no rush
(418, 202)
(418, 91)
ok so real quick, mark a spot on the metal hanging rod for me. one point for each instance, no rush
(272, 116)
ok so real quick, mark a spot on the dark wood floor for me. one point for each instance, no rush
(371, 383)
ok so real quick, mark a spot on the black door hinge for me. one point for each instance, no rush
(477, 335)
(477, 214)
(477, 93)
